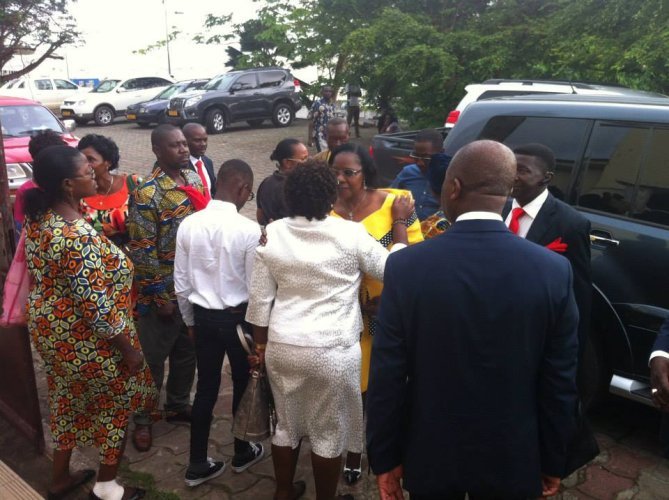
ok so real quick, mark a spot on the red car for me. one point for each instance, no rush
(20, 119)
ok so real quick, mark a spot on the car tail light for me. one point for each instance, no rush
(298, 87)
(453, 116)
(371, 151)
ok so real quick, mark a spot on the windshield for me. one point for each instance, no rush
(23, 121)
(220, 82)
(170, 91)
(10, 84)
(106, 86)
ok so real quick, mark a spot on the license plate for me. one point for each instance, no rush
(131, 117)
(66, 113)
(172, 112)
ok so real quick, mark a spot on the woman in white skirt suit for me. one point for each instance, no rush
(305, 312)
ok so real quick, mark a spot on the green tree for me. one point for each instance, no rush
(41, 26)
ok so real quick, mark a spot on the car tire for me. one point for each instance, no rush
(215, 121)
(283, 115)
(254, 123)
(593, 373)
(103, 116)
(143, 125)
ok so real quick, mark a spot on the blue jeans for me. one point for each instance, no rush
(216, 335)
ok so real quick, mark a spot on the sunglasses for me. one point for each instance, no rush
(348, 172)
(416, 157)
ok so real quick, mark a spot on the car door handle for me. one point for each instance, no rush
(603, 238)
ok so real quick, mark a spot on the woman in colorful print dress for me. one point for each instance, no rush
(107, 209)
(359, 201)
(80, 322)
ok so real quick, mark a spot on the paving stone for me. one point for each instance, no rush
(164, 464)
(177, 442)
(575, 479)
(602, 484)
(604, 441)
(627, 463)
(175, 484)
(653, 484)
(628, 494)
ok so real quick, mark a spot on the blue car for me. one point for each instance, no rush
(153, 111)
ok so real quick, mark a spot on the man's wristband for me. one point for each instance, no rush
(400, 221)
(261, 347)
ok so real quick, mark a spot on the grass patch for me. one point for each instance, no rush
(146, 481)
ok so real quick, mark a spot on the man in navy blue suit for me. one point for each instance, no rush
(473, 375)
(659, 381)
(197, 138)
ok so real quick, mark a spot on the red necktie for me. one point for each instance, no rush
(516, 214)
(199, 166)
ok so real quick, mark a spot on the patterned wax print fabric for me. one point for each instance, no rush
(108, 213)
(156, 209)
(321, 112)
(434, 225)
(379, 226)
(79, 299)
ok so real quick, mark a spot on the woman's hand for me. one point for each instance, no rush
(402, 207)
(133, 360)
(257, 360)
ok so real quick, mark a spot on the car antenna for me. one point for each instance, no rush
(573, 90)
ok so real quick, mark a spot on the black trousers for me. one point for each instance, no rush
(460, 495)
(216, 336)
(353, 116)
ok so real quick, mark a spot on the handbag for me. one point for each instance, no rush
(16, 288)
(255, 418)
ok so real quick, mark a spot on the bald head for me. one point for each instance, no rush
(480, 177)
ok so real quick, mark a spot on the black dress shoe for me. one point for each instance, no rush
(183, 416)
(86, 476)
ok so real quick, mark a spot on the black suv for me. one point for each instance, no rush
(252, 95)
(612, 166)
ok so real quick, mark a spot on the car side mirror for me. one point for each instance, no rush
(236, 86)
(70, 125)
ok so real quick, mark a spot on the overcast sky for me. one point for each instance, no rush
(112, 30)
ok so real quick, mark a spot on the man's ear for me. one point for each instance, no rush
(548, 177)
(457, 189)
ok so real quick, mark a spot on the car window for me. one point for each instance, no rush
(564, 136)
(159, 82)
(132, 84)
(612, 163)
(170, 91)
(24, 121)
(106, 86)
(220, 82)
(246, 82)
(43, 84)
(267, 79)
(65, 85)
(503, 93)
(651, 202)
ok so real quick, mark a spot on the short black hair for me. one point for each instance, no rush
(105, 146)
(43, 139)
(366, 161)
(234, 168)
(51, 167)
(283, 150)
(544, 153)
(310, 190)
(431, 135)
(336, 121)
(160, 132)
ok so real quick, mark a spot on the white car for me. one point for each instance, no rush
(46, 90)
(502, 87)
(110, 98)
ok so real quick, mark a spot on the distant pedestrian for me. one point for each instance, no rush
(414, 177)
(337, 134)
(196, 136)
(353, 95)
(321, 112)
(270, 200)
(212, 271)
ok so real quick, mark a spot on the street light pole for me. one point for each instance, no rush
(167, 42)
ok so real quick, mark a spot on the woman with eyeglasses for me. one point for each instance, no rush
(107, 209)
(359, 201)
(304, 308)
(271, 204)
(80, 322)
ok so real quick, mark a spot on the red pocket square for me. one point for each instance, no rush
(557, 246)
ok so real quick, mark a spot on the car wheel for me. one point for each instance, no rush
(104, 115)
(283, 115)
(215, 121)
(80, 121)
(255, 123)
(593, 373)
(143, 124)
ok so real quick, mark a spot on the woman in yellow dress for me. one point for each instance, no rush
(358, 201)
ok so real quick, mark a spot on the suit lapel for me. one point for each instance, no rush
(543, 222)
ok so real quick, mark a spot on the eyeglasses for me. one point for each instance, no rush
(252, 196)
(348, 172)
(90, 173)
(416, 157)
(297, 160)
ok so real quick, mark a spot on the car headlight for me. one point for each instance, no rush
(18, 171)
(192, 101)
(142, 110)
(81, 102)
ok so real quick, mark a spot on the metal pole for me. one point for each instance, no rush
(167, 42)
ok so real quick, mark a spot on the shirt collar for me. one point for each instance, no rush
(532, 208)
(478, 215)
(194, 159)
(221, 205)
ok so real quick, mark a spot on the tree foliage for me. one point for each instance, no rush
(41, 26)
(422, 53)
